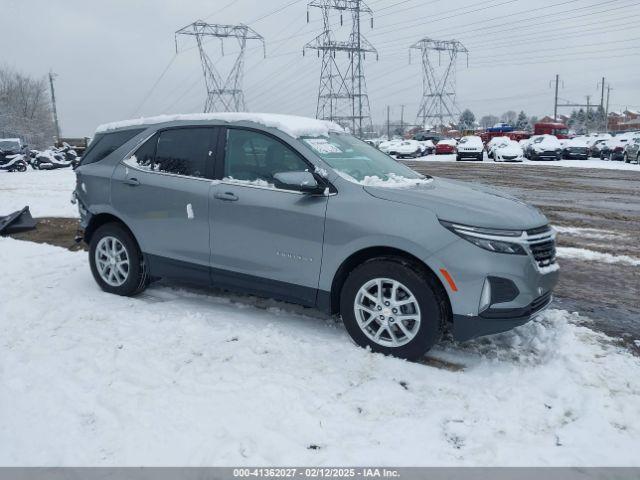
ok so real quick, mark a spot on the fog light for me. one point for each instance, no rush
(485, 296)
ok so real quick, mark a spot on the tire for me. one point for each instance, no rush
(638, 159)
(626, 158)
(427, 294)
(136, 278)
(458, 158)
(22, 167)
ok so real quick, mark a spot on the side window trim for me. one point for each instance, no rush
(222, 151)
(214, 136)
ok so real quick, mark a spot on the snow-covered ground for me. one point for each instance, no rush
(591, 163)
(48, 193)
(184, 377)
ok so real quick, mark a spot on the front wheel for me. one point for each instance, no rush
(626, 158)
(116, 262)
(393, 307)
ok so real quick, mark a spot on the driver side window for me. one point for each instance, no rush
(255, 157)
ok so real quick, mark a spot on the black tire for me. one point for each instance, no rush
(137, 278)
(458, 158)
(22, 167)
(428, 292)
(626, 158)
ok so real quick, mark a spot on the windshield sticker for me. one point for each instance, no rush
(322, 145)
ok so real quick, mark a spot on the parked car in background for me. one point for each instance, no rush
(632, 151)
(446, 146)
(424, 136)
(509, 151)
(409, 148)
(448, 255)
(390, 147)
(11, 146)
(470, 147)
(495, 141)
(576, 149)
(613, 149)
(546, 147)
(428, 147)
(594, 149)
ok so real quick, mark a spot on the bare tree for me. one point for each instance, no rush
(25, 110)
(488, 121)
(509, 117)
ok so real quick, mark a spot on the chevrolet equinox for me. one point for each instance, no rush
(299, 210)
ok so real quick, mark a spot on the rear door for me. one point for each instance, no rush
(162, 193)
(265, 239)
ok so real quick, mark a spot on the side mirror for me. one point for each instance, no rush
(299, 181)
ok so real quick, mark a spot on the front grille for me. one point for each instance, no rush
(544, 252)
(509, 157)
(542, 244)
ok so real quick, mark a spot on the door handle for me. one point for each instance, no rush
(226, 196)
(132, 182)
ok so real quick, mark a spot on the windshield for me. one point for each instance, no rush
(9, 144)
(354, 158)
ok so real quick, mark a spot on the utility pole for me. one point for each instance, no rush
(555, 105)
(606, 112)
(586, 123)
(388, 122)
(53, 103)
(223, 94)
(402, 119)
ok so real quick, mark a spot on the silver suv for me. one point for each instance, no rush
(296, 209)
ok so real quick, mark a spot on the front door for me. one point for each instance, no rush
(263, 239)
(162, 192)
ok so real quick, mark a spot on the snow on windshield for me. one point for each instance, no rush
(359, 162)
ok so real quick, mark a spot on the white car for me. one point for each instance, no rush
(494, 142)
(509, 151)
(389, 147)
(409, 148)
(470, 147)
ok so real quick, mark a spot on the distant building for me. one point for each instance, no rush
(624, 121)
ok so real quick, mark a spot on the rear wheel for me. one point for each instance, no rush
(393, 307)
(116, 262)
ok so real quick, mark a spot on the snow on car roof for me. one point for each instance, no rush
(291, 125)
(10, 140)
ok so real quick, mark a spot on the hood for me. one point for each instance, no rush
(510, 150)
(466, 203)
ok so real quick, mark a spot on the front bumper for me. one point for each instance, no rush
(521, 290)
(494, 321)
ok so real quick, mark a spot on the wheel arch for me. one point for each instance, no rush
(370, 253)
(101, 219)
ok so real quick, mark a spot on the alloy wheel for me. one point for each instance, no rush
(387, 312)
(112, 260)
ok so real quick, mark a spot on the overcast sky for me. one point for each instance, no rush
(109, 54)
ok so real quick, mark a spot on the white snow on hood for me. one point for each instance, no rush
(291, 125)
(394, 181)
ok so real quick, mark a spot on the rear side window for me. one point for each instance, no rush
(106, 143)
(183, 151)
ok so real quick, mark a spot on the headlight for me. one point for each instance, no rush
(493, 240)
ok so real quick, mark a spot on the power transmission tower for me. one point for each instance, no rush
(223, 94)
(438, 84)
(342, 96)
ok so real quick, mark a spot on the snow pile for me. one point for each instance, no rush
(48, 193)
(291, 125)
(392, 180)
(594, 256)
(203, 378)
